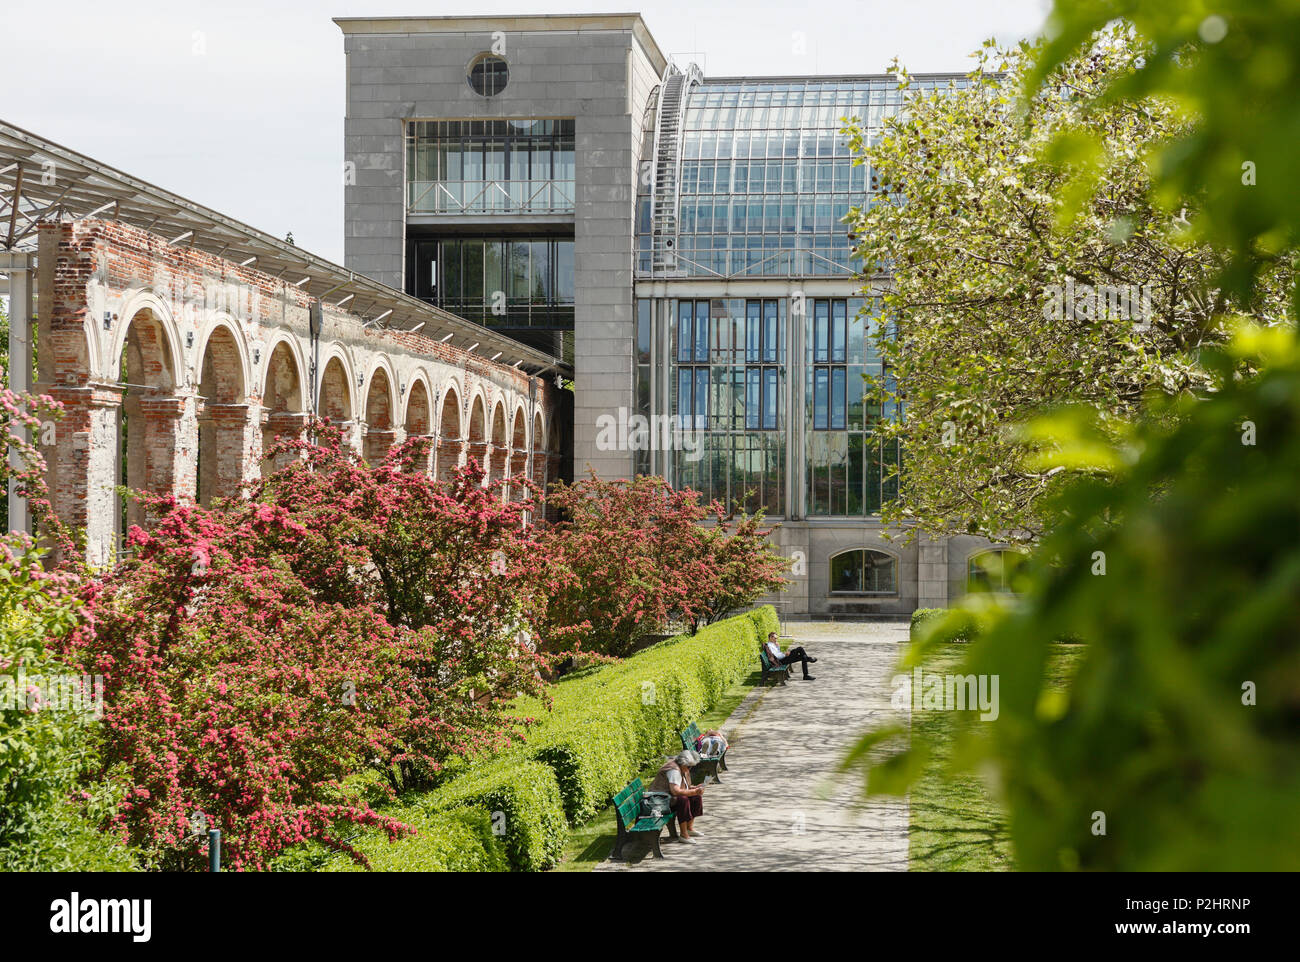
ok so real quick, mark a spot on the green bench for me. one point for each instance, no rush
(630, 821)
(709, 764)
(770, 669)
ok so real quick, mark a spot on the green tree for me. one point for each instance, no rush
(1179, 567)
(1022, 277)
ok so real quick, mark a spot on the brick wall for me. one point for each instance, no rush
(196, 337)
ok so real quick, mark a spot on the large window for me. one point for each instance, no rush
(994, 570)
(502, 282)
(490, 166)
(864, 572)
(850, 472)
(728, 380)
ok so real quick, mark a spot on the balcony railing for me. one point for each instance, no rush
(489, 197)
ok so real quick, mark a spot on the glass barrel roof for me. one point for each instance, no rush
(767, 177)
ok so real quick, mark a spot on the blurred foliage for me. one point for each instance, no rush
(1181, 725)
(1234, 66)
(1178, 565)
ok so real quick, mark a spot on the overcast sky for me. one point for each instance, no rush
(239, 104)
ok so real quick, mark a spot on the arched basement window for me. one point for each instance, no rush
(864, 572)
(488, 75)
(993, 570)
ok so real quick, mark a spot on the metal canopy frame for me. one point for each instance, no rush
(41, 181)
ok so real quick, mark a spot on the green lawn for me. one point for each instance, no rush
(591, 843)
(956, 824)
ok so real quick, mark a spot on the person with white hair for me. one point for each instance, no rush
(687, 801)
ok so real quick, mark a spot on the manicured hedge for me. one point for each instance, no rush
(523, 799)
(966, 630)
(605, 724)
(460, 840)
(965, 627)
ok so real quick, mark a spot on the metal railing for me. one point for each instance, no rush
(490, 197)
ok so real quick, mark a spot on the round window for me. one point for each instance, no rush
(488, 75)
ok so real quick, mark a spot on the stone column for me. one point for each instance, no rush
(82, 467)
(448, 455)
(287, 425)
(932, 572)
(227, 432)
(169, 447)
(377, 443)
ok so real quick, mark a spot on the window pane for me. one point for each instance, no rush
(837, 398)
(753, 332)
(701, 397)
(846, 571)
(684, 407)
(770, 330)
(753, 401)
(838, 331)
(702, 331)
(771, 398)
(685, 327)
(821, 323)
(821, 378)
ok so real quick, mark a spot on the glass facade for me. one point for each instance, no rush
(518, 282)
(848, 469)
(728, 378)
(489, 166)
(767, 177)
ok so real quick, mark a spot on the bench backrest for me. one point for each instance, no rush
(762, 655)
(690, 734)
(628, 803)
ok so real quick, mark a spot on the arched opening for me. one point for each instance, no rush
(378, 417)
(336, 398)
(149, 420)
(538, 467)
(476, 442)
(283, 402)
(419, 419)
(500, 452)
(450, 442)
(863, 571)
(518, 454)
(224, 436)
(995, 570)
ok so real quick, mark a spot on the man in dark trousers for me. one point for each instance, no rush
(790, 657)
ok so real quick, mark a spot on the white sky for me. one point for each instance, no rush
(239, 104)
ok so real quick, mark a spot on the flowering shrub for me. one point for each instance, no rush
(233, 698)
(627, 557)
(450, 563)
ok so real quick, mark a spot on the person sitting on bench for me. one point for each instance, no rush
(711, 742)
(674, 779)
(790, 657)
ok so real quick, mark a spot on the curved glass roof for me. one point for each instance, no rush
(767, 177)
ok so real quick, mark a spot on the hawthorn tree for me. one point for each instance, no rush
(628, 557)
(234, 698)
(742, 563)
(1024, 275)
(450, 562)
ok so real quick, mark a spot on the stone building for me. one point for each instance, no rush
(680, 237)
(182, 343)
